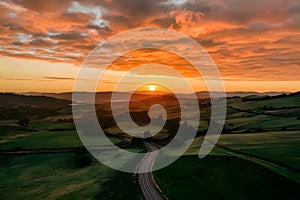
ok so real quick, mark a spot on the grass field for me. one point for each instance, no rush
(42, 134)
(223, 177)
(50, 125)
(55, 176)
(55, 139)
(260, 123)
(257, 157)
(260, 162)
(282, 147)
(278, 151)
(289, 101)
(259, 115)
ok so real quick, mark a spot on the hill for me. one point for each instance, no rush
(9, 100)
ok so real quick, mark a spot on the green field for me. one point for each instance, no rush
(263, 114)
(42, 134)
(45, 139)
(256, 157)
(50, 125)
(56, 176)
(281, 147)
(280, 102)
(223, 177)
(242, 166)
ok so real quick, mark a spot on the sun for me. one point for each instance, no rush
(152, 88)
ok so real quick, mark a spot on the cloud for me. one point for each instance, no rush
(16, 79)
(43, 6)
(69, 35)
(58, 78)
(135, 9)
(245, 38)
(41, 43)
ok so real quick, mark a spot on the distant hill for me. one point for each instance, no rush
(205, 94)
(9, 100)
(102, 97)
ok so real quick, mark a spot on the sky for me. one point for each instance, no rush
(255, 44)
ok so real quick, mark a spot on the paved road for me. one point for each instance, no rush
(147, 183)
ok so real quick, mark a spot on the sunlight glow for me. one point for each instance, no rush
(152, 88)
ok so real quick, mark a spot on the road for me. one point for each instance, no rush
(147, 183)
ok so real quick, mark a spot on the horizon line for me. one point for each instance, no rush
(201, 91)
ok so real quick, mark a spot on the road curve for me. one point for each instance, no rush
(147, 183)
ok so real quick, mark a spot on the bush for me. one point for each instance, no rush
(284, 128)
(23, 122)
(82, 159)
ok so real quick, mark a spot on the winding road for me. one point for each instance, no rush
(147, 183)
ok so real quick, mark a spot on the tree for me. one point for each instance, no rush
(23, 122)
(82, 159)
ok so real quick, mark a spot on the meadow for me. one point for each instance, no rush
(256, 157)
(58, 176)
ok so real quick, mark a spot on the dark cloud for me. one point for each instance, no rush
(14, 27)
(85, 47)
(70, 35)
(41, 43)
(44, 6)
(164, 22)
(17, 43)
(16, 79)
(209, 42)
(136, 9)
(58, 78)
(76, 17)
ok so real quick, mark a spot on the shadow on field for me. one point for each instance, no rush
(223, 177)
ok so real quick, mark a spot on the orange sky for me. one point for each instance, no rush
(254, 43)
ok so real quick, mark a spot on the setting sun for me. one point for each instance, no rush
(152, 88)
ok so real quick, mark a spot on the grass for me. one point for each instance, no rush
(10, 129)
(289, 101)
(48, 125)
(276, 122)
(58, 117)
(261, 122)
(237, 122)
(10, 132)
(278, 151)
(195, 147)
(48, 139)
(223, 177)
(282, 147)
(55, 176)
(55, 139)
(43, 134)
(273, 114)
(241, 122)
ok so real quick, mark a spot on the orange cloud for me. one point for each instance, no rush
(257, 40)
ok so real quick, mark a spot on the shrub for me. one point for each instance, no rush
(82, 159)
(23, 122)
